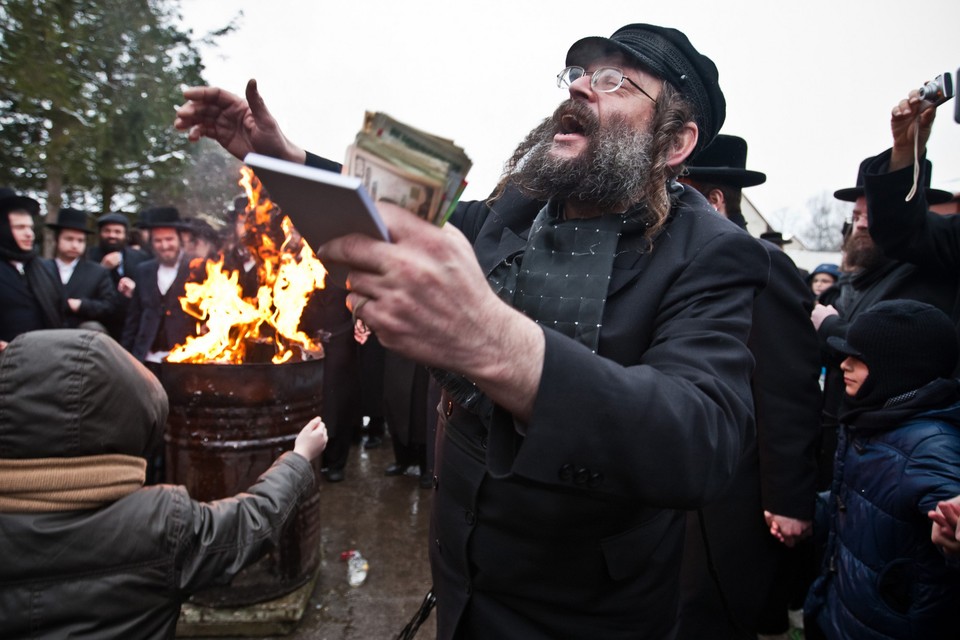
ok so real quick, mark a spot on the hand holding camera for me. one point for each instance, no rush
(912, 120)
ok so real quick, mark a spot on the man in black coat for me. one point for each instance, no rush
(873, 275)
(156, 322)
(29, 293)
(593, 350)
(121, 260)
(731, 559)
(89, 297)
(906, 229)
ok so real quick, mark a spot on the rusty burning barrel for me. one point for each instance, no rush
(227, 425)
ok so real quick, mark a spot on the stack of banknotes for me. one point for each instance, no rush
(401, 164)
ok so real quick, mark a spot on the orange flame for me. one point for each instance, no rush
(287, 277)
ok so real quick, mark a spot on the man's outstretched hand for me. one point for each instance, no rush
(239, 126)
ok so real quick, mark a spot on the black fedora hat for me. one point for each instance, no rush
(725, 162)
(73, 219)
(11, 201)
(776, 238)
(113, 218)
(204, 230)
(934, 196)
(669, 54)
(161, 217)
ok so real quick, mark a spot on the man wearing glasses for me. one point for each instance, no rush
(591, 344)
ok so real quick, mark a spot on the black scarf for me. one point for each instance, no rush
(8, 246)
(881, 415)
(583, 250)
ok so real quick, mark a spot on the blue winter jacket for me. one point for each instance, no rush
(882, 576)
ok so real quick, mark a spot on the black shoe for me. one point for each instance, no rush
(372, 442)
(396, 469)
(334, 475)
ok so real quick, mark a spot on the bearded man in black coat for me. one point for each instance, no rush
(731, 560)
(592, 349)
(121, 260)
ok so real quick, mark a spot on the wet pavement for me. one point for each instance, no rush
(387, 520)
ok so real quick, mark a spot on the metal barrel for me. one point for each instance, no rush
(227, 425)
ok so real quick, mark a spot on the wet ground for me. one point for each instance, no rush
(386, 519)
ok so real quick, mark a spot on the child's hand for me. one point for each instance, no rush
(312, 439)
(945, 532)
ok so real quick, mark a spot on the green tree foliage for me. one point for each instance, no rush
(86, 103)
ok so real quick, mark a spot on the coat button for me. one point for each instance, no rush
(566, 472)
(596, 479)
(436, 482)
(469, 517)
(439, 548)
(483, 442)
(582, 476)
(448, 411)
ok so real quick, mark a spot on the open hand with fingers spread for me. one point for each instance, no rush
(239, 126)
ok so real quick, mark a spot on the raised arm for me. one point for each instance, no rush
(239, 126)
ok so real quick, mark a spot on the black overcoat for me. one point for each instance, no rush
(572, 525)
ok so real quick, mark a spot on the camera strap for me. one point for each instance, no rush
(916, 161)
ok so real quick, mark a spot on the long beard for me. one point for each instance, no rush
(111, 245)
(612, 172)
(861, 253)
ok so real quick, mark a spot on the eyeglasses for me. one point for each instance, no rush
(604, 79)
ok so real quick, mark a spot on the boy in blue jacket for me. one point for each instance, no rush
(898, 456)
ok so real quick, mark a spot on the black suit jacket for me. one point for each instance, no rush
(132, 259)
(148, 308)
(91, 284)
(572, 525)
(28, 301)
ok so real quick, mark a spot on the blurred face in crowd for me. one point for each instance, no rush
(861, 253)
(200, 247)
(21, 226)
(71, 244)
(821, 282)
(166, 245)
(113, 237)
(855, 372)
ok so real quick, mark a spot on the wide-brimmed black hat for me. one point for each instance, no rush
(203, 229)
(73, 219)
(668, 54)
(161, 217)
(113, 218)
(934, 196)
(725, 162)
(11, 201)
(776, 238)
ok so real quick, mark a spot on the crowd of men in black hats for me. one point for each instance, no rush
(673, 434)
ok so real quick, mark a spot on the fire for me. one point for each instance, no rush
(288, 272)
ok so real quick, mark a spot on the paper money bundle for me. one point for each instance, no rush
(409, 167)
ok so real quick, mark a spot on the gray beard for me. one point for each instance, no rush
(612, 172)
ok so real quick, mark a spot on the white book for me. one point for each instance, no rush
(322, 205)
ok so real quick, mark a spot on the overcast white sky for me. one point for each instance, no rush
(809, 85)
